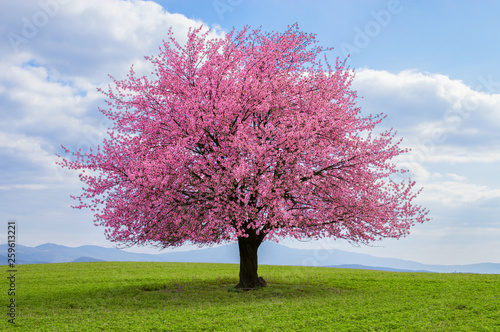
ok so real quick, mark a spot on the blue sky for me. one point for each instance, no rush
(431, 66)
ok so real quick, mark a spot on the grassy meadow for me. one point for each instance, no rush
(141, 296)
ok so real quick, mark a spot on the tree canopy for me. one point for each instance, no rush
(250, 136)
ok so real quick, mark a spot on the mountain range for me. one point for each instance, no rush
(270, 253)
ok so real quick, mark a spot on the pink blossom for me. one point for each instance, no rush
(248, 134)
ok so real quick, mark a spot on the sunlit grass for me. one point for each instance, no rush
(132, 296)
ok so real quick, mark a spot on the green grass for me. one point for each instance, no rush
(118, 296)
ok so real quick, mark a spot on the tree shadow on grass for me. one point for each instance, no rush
(153, 294)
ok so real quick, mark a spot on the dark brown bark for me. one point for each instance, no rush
(248, 247)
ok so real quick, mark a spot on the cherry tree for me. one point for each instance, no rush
(243, 138)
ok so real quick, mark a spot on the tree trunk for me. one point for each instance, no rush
(248, 247)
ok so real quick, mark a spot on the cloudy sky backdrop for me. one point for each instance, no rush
(431, 66)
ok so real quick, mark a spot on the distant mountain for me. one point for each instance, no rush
(270, 253)
(54, 253)
(363, 267)
(86, 259)
(275, 254)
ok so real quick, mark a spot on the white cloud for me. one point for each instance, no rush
(25, 186)
(422, 153)
(449, 189)
(57, 53)
(445, 123)
(427, 104)
(30, 164)
(22, 145)
(473, 155)
(93, 38)
(451, 176)
(457, 192)
(39, 104)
